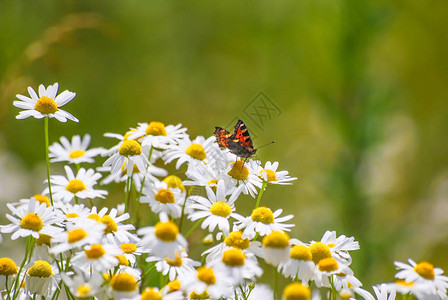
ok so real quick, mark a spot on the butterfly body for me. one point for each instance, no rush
(238, 143)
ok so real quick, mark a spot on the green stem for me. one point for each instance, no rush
(194, 227)
(243, 293)
(47, 157)
(181, 221)
(263, 187)
(76, 200)
(128, 193)
(7, 288)
(16, 281)
(275, 283)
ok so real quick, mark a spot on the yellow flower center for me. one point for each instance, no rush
(203, 295)
(328, 264)
(124, 282)
(346, 294)
(196, 151)
(213, 183)
(43, 240)
(122, 260)
(319, 251)
(166, 231)
(76, 153)
(42, 199)
(235, 240)
(233, 257)
(239, 171)
(75, 185)
(165, 196)
(40, 268)
(177, 262)
(83, 290)
(32, 221)
(95, 217)
(300, 252)
(128, 248)
(7, 266)
(130, 148)
(111, 225)
(71, 215)
(221, 209)
(174, 182)
(263, 215)
(425, 270)
(96, 251)
(270, 175)
(404, 282)
(206, 275)
(46, 105)
(173, 286)
(151, 294)
(276, 239)
(76, 235)
(156, 128)
(296, 291)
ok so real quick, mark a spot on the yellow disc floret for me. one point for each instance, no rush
(239, 171)
(296, 291)
(263, 215)
(77, 153)
(177, 262)
(221, 209)
(319, 251)
(32, 221)
(42, 199)
(151, 294)
(7, 266)
(40, 268)
(328, 264)
(124, 282)
(196, 151)
(276, 239)
(83, 290)
(166, 231)
(174, 181)
(43, 240)
(130, 148)
(425, 269)
(95, 217)
(270, 175)
(156, 128)
(111, 225)
(233, 257)
(206, 275)
(96, 251)
(235, 240)
(165, 196)
(128, 248)
(300, 252)
(75, 185)
(122, 260)
(46, 105)
(76, 235)
(173, 286)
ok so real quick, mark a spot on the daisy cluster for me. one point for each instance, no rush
(78, 248)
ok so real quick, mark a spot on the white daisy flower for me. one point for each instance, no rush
(343, 281)
(300, 263)
(39, 278)
(162, 198)
(245, 174)
(81, 285)
(327, 267)
(164, 294)
(38, 197)
(188, 150)
(270, 174)
(178, 267)
(381, 293)
(424, 272)
(75, 152)
(129, 153)
(276, 247)
(163, 239)
(263, 221)
(216, 209)
(124, 285)
(158, 135)
(80, 186)
(46, 104)
(73, 212)
(115, 230)
(96, 257)
(131, 249)
(339, 246)
(31, 220)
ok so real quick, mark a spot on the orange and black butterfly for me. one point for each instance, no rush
(238, 143)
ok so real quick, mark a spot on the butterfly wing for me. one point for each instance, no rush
(241, 135)
(222, 137)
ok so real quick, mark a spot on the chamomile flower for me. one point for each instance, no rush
(276, 247)
(207, 281)
(180, 266)
(188, 150)
(263, 221)
(216, 209)
(205, 175)
(97, 257)
(124, 286)
(326, 268)
(245, 174)
(381, 293)
(46, 104)
(39, 277)
(73, 212)
(75, 152)
(81, 186)
(424, 272)
(340, 245)
(158, 135)
(129, 153)
(152, 293)
(163, 239)
(131, 249)
(296, 290)
(162, 198)
(8, 269)
(32, 220)
(115, 229)
(270, 174)
(300, 263)
(82, 285)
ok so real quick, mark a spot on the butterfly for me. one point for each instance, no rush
(238, 143)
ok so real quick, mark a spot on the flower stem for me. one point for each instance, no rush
(194, 227)
(181, 221)
(263, 187)
(128, 193)
(275, 283)
(47, 157)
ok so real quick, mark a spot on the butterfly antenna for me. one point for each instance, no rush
(266, 145)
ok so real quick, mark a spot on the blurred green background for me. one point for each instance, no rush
(361, 88)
